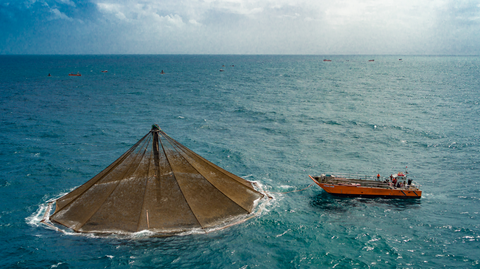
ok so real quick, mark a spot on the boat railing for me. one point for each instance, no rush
(353, 176)
(361, 180)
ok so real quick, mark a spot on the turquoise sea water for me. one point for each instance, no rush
(270, 119)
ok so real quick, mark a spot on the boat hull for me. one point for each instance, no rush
(359, 191)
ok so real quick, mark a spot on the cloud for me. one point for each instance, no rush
(57, 14)
(67, 2)
(194, 22)
(246, 26)
(462, 12)
(114, 9)
(246, 7)
(140, 14)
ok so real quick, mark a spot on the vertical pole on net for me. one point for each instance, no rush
(156, 155)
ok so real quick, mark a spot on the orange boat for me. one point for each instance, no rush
(75, 75)
(397, 186)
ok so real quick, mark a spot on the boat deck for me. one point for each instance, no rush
(368, 183)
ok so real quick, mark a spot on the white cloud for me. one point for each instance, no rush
(242, 7)
(194, 22)
(113, 9)
(141, 14)
(67, 2)
(57, 14)
(268, 26)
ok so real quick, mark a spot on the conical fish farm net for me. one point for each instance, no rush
(160, 186)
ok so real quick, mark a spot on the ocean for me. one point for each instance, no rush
(267, 118)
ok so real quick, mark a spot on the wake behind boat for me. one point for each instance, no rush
(397, 186)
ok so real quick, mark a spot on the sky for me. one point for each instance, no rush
(319, 27)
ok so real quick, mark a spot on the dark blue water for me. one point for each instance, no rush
(270, 119)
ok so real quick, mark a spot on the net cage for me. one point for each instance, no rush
(160, 186)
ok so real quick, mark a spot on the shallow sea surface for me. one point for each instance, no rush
(271, 119)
